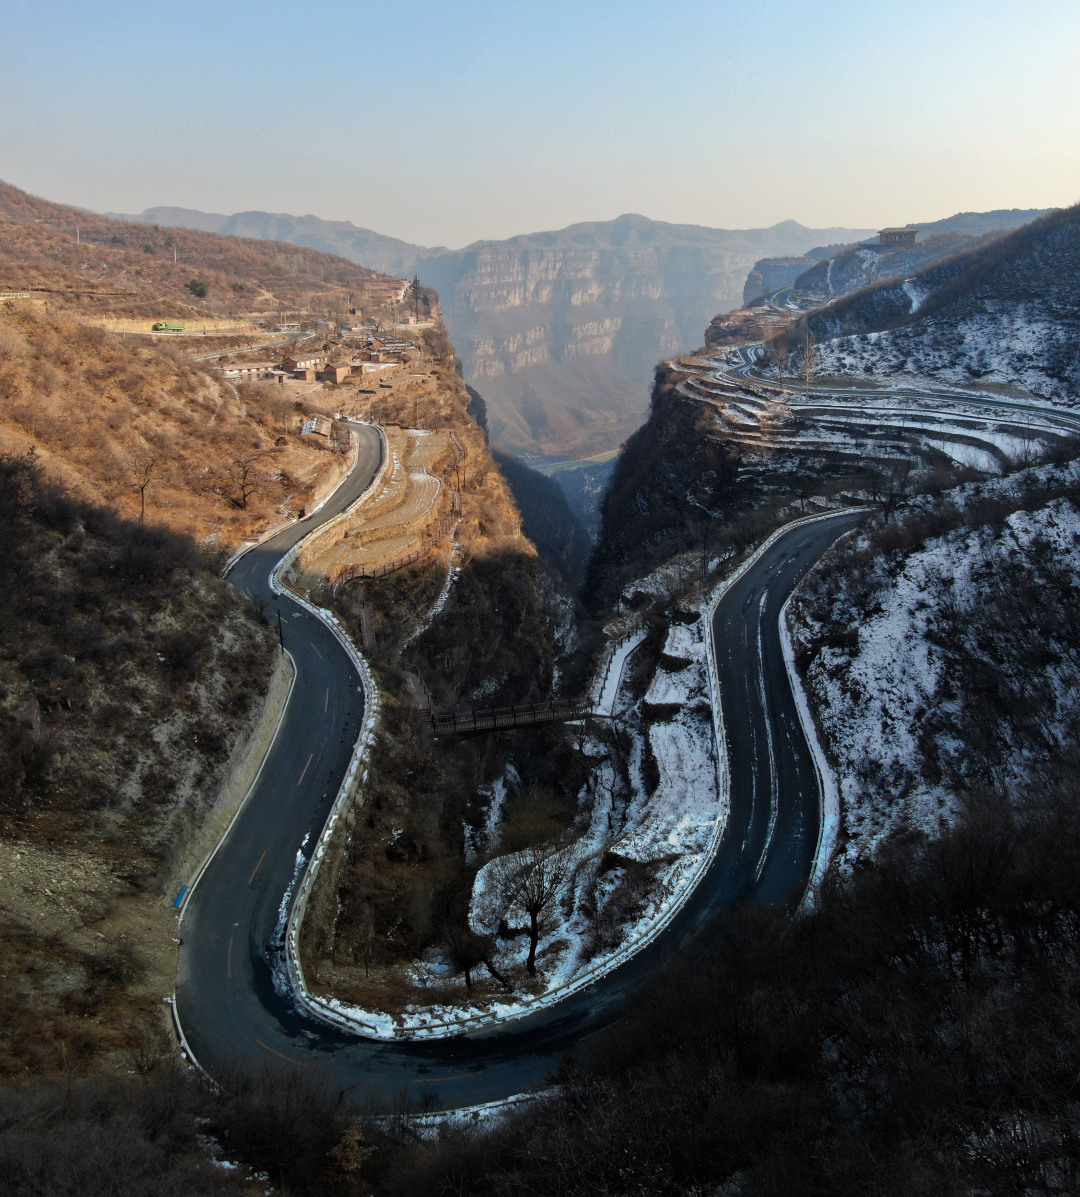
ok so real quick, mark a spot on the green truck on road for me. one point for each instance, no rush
(167, 326)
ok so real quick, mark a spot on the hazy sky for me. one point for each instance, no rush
(444, 122)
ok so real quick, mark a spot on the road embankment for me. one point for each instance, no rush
(239, 776)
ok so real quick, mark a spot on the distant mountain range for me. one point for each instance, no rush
(141, 271)
(560, 331)
(388, 255)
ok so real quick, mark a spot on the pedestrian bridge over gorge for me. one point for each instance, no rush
(461, 723)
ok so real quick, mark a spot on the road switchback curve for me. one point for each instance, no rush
(232, 1003)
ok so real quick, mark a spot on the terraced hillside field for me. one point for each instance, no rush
(411, 501)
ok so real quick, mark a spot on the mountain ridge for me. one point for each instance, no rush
(560, 329)
(816, 271)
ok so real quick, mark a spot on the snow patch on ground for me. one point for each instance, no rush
(680, 817)
(452, 572)
(883, 678)
(605, 687)
(915, 293)
(484, 839)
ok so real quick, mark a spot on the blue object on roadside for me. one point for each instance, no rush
(180, 896)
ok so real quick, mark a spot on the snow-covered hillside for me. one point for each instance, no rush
(1018, 347)
(1007, 312)
(941, 655)
(861, 265)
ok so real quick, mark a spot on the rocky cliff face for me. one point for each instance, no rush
(561, 330)
(771, 274)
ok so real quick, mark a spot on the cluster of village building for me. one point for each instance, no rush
(369, 355)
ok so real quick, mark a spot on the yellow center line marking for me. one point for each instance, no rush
(257, 867)
(317, 653)
(327, 702)
(309, 760)
(274, 1051)
(229, 958)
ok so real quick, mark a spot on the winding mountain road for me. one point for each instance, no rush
(229, 1007)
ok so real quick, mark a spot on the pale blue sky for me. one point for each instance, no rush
(446, 122)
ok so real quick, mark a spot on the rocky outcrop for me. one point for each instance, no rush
(772, 274)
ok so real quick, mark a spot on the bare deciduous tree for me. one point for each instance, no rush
(891, 490)
(809, 362)
(415, 294)
(139, 469)
(245, 475)
(532, 879)
(466, 951)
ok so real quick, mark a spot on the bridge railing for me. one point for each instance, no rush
(521, 715)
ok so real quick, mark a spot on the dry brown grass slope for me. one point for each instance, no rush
(128, 672)
(107, 266)
(121, 424)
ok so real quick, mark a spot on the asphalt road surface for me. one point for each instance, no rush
(228, 1005)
